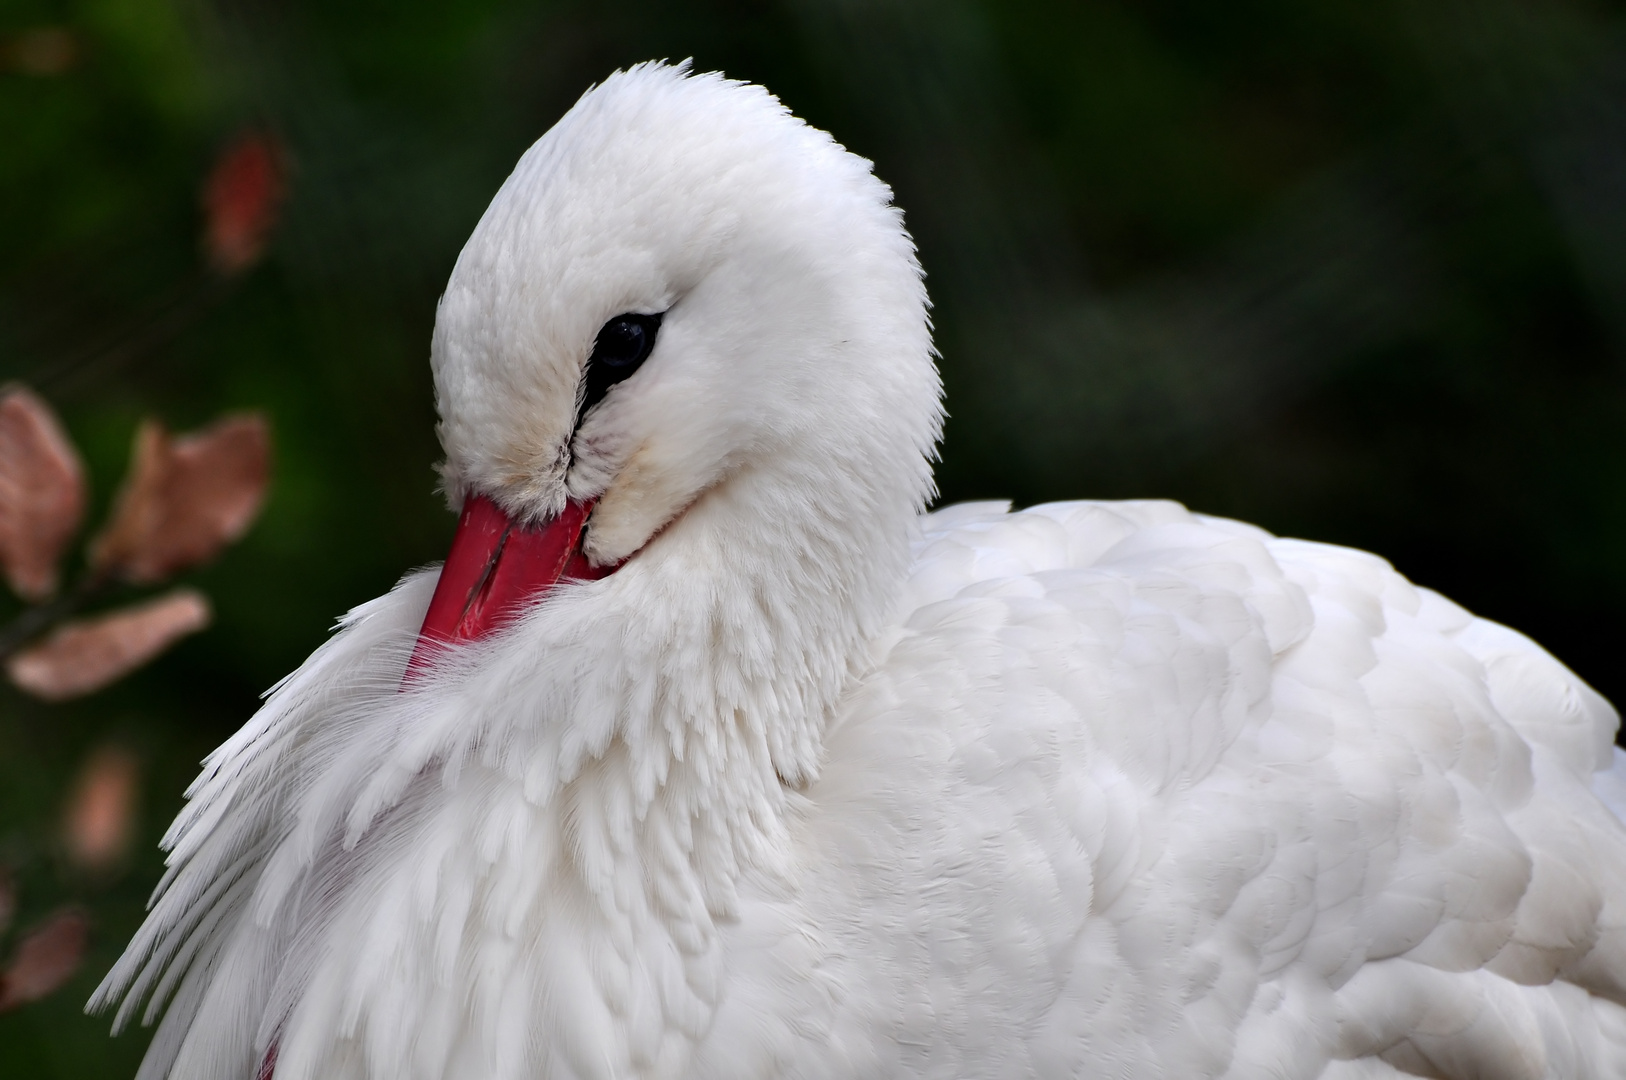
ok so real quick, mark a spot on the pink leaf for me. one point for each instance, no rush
(185, 498)
(100, 818)
(83, 656)
(47, 957)
(42, 493)
(240, 202)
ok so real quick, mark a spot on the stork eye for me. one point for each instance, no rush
(622, 345)
(625, 341)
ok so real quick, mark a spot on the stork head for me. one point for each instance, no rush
(680, 285)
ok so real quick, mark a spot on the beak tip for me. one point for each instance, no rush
(494, 568)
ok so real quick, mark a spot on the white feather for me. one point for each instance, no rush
(816, 787)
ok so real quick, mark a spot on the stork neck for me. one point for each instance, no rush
(757, 609)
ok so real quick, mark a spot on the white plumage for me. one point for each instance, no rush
(813, 786)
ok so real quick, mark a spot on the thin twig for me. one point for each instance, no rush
(36, 620)
(151, 332)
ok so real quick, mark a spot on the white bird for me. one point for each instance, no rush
(717, 759)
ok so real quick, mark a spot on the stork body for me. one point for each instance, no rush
(807, 784)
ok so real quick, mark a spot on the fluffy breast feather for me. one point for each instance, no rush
(1147, 793)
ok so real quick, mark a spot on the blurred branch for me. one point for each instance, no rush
(135, 340)
(36, 620)
(183, 501)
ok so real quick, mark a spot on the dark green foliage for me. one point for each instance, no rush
(1353, 271)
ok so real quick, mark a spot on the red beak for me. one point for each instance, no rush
(495, 568)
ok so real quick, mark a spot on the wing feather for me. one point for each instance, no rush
(238, 809)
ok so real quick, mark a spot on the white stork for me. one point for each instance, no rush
(706, 755)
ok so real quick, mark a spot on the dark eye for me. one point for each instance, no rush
(623, 343)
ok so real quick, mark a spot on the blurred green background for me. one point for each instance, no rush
(1355, 271)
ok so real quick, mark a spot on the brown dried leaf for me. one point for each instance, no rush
(8, 899)
(42, 493)
(100, 818)
(85, 655)
(44, 50)
(185, 498)
(47, 957)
